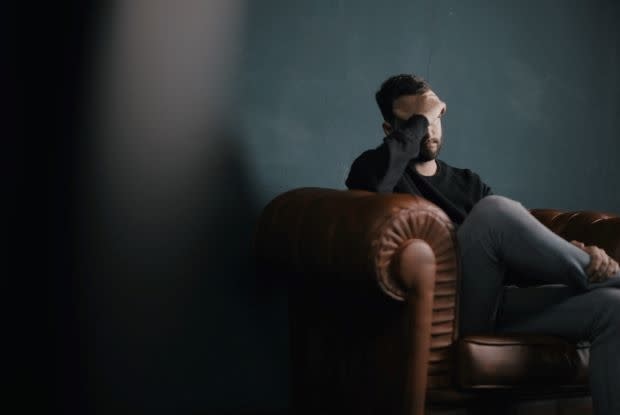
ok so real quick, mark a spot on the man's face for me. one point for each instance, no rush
(403, 108)
(431, 145)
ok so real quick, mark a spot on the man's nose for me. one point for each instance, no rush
(431, 131)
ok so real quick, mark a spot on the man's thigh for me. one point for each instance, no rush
(559, 312)
(522, 303)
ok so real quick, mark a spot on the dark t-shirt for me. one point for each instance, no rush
(390, 168)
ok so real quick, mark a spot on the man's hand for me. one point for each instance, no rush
(427, 104)
(601, 266)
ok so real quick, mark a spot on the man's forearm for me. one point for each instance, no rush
(379, 170)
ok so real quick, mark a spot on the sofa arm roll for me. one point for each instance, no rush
(331, 233)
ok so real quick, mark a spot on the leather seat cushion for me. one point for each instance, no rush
(522, 361)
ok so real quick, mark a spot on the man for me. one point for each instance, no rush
(498, 239)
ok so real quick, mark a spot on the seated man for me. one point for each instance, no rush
(497, 237)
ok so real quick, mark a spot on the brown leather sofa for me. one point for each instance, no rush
(373, 309)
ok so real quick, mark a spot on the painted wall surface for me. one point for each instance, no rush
(532, 91)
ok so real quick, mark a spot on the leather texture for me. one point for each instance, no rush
(373, 298)
(592, 228)
(502, 362)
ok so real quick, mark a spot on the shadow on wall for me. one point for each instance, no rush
(241, 320)
(176, 318)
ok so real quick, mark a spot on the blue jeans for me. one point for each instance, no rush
(501, 238)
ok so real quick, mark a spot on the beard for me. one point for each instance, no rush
(429, 153)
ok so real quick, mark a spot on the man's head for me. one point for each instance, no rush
(402, 96)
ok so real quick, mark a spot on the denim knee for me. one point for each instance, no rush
(494, 202)
(495, 205)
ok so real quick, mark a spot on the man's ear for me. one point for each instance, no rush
(387, 128)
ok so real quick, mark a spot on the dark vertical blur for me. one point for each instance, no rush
(166, 210)
(149, 209)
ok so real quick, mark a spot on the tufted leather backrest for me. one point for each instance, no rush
(592, 228)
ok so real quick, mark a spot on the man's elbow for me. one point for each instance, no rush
(357, 183)
(369, 185)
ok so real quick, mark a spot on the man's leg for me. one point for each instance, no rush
(498, 235)
(593, 316)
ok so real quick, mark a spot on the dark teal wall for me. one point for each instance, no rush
(531, 86)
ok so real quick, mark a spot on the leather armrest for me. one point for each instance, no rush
(353, 234)
(592, 228)
(406, 245)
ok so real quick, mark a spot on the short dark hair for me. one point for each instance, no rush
(395, 87)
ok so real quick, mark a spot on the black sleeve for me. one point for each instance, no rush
(481, 188)
(379, 170)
